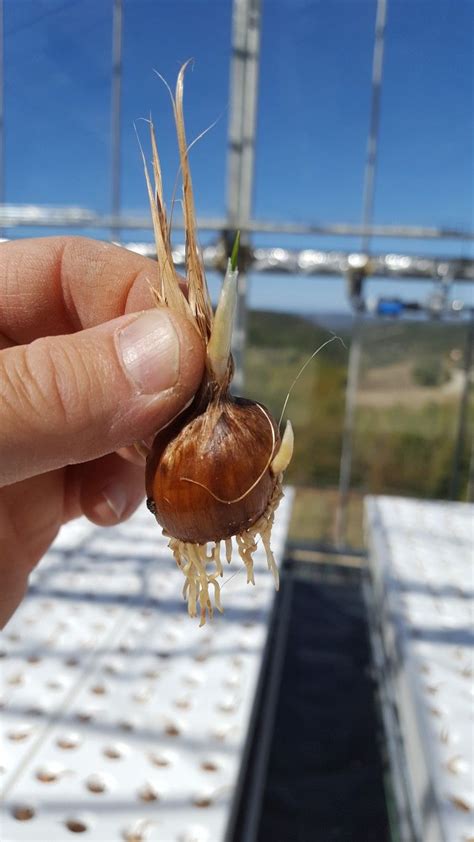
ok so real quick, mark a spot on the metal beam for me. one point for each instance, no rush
(246, 27)
(345, 466)
(243, 111)
(16, 216)
(373, 136)
(345, 470)
(313, 263)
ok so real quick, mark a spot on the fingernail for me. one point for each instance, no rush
(116, 498)
(112, 501)
(149, 348)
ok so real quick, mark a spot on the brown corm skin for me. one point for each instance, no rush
(224, 449)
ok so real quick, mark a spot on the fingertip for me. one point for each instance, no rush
(110, 490)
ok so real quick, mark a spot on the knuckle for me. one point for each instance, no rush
(19, 386)
(46, 382)
(68, 383)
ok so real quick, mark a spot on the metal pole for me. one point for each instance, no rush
(12, 216)
(2, 112)
(345, 467)
(463, 414)
(116, 113)
(372, 140)
(241, 150)
(367, 214)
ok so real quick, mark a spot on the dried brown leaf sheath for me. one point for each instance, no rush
(215, 472)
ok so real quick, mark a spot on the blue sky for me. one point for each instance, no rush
(313, 116)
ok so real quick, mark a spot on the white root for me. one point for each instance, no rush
(282, 459)
(193, 559)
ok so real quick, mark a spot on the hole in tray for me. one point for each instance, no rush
(200, 657)
(99, 690)
(49, 774)
(152, 673)
(172, 730)
(183, 703)
(35, 710)
(148, 793)
(126, 725)
(160, 759)
(460, 804)
(22, 732)
(137, 832)
(72, 662)
(76, 825)
(56, 684)
(142, 695)
(112, 668)
(192, 678)
(16, 679)
(97, 784)
(209, 766)
(68, 741)
(23, 812)
(221, 732)
(85, 716)
(227, 706)
(115, 751)
(203, 800)
(33, 659)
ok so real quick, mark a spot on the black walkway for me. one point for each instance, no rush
(322, 779)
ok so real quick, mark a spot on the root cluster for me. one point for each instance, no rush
(195, 559)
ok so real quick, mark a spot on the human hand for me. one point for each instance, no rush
(83, 374)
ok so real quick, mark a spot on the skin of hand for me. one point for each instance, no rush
(88, 366)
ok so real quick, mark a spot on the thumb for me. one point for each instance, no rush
(69, 399)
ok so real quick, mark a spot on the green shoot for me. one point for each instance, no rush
(235, 252)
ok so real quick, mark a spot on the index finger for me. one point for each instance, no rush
(55, 285)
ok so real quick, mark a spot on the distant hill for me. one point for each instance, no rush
(337, 322)
(268, 329)
(384, 342)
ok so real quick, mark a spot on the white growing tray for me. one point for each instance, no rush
(421, 558)
(121, 719)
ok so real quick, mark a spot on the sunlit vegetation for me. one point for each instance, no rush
(407, 409)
